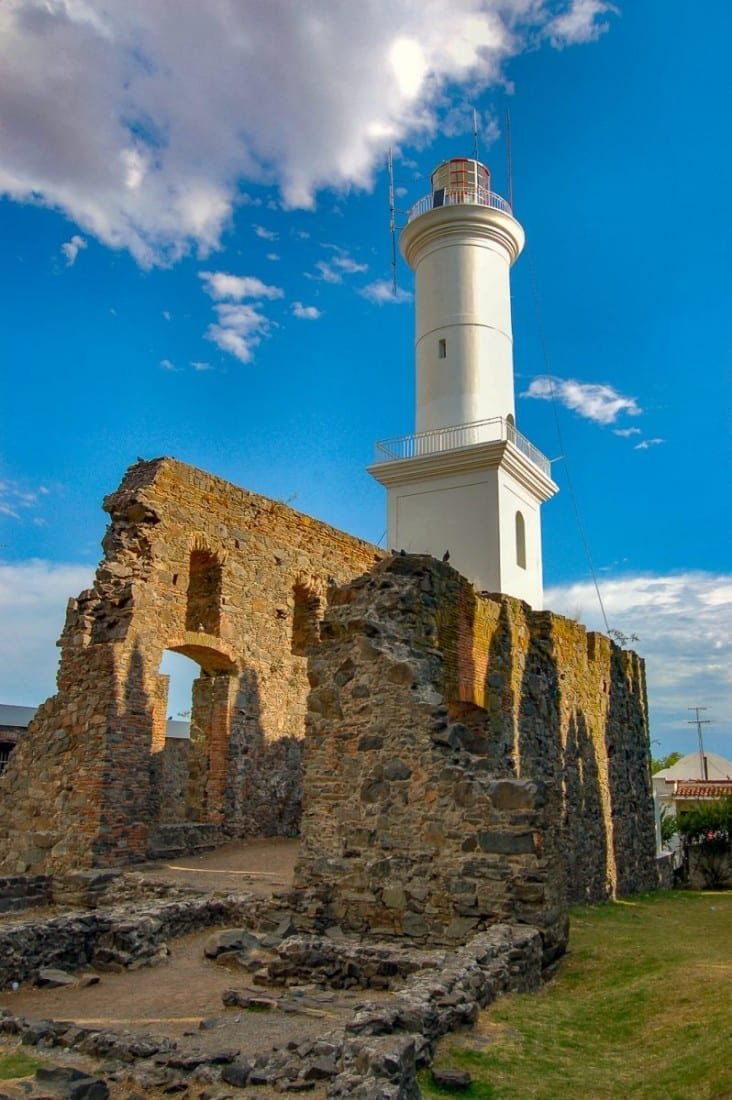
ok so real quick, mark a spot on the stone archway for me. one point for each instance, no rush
(191, 776)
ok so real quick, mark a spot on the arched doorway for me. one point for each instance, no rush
(191, 742)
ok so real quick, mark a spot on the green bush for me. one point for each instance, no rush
(707, 831)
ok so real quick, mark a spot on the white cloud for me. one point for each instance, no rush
(646, 443)
(381, 292)
(239, 330)
(580, 23)
(15, 499)
(72, 248)
(166, 364)
(348, 265)
(273, 256)
(593, 400)
(219, 285)
(166, 314)
(100, 123)
(332, 271)
(33, 598)
(626, 433)
(200, 366)
(306, 313)
(240, 326)
(684, 624)
(265, 234)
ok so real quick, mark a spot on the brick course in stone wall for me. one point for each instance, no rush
(225, 577)
(469, 761)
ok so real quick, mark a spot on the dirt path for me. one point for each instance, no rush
(177, 997)
(263, 865)
(174, 998)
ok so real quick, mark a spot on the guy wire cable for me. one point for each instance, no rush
(560, 438)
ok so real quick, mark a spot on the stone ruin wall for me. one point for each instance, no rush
(469, 761)
(230, 579)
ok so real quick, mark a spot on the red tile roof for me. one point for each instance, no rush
(702, 788)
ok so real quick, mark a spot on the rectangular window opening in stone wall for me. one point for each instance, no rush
(306, 617)
(203, 609)
(5, 750)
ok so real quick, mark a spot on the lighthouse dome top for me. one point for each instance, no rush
(459, 181)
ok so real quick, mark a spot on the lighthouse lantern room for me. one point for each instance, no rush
(467, 481)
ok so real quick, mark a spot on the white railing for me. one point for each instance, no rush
(455, 438)
(453, 196)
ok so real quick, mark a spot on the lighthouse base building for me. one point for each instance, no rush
(474, 500)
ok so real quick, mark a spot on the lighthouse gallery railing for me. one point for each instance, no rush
(449, 196)
(461, 435)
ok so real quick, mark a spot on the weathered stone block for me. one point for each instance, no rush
(506, 843)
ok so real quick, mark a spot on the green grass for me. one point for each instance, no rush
(640, 1009)
(17, 1065)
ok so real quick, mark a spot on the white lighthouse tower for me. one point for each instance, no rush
(467, 481)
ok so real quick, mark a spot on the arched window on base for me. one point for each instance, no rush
(520, 541)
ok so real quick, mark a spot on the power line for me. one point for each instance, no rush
(509, 158)
(560, 438)
(392, 217)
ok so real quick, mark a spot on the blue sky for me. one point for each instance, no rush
(146, 156)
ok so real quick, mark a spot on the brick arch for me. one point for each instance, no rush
(210, 652)
(209, 545)
(211, 715)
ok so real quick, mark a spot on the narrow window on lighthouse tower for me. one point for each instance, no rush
(520, 541)
(442, 349)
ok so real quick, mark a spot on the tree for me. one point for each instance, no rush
(658, 765)
(622, 639)
(705, 833)
(669, 826)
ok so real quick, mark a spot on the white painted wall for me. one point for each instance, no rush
(526, 583)
(457, 513)
(461, 256)
(473, 516)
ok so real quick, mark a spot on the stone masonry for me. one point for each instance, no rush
(469, 761)
(238, 584)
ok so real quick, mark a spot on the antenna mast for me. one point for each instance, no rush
(475, 134)
(392, 221)
(509, 158)
(699, 722)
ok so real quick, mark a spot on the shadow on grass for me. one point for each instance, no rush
(637, 1008)
(479, 1090)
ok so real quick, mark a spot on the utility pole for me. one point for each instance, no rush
(699, 722)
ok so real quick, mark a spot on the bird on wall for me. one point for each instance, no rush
(446, 556)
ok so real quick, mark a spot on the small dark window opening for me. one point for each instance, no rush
(442, 349)
(5, 750)
(203, 610)
(175, 579)
(305, 620)
(520, 541)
